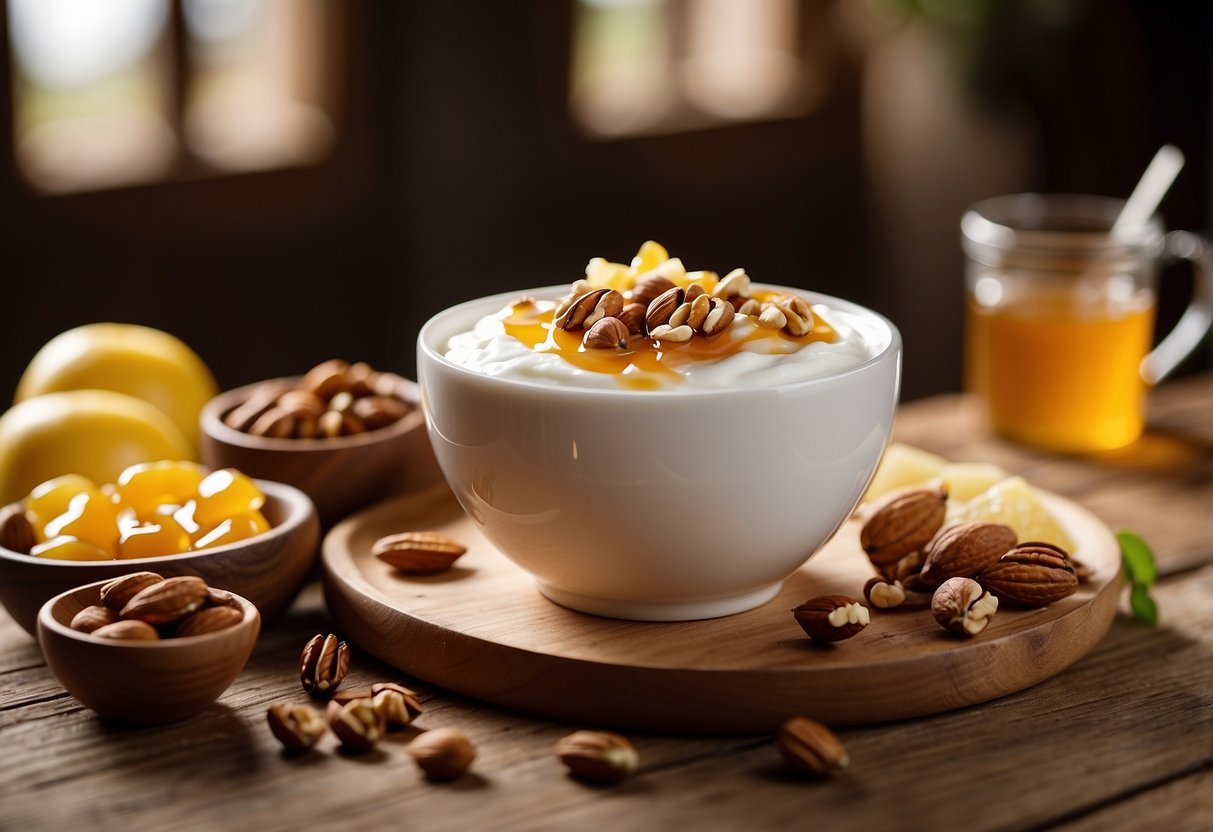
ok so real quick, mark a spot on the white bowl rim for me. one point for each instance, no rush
(425, 336)
(299, 508)
(47, 619)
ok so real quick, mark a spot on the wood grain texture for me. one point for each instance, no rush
(482, 629)
(267, 569)
(1123, 737)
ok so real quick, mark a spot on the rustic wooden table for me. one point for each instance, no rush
(1121, 740)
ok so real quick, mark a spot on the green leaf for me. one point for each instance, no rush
(1143, 606)
(1138, 558)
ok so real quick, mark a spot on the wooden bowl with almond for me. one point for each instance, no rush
(344, 435)
(268, 568)
(144, 674)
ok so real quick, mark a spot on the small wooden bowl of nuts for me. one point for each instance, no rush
(344, 434)
(147, 650)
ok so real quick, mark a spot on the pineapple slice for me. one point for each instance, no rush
(902, 466)
(603, 274)
(1013, 502)
(650, 256)
(965, 480)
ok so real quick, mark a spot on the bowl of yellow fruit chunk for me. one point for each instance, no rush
(255, 537)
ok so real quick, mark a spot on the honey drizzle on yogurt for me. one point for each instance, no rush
(647, 364)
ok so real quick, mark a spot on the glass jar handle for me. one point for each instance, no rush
(1196, 319)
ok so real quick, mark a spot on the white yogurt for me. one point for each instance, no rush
(765, 362)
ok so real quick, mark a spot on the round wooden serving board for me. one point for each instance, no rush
(482, 629)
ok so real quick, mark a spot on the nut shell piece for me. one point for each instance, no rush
(597, 756)
(93, 618)
(131, 630)
(357, 724)
(297, 727)
(167, 601)
(965, 549)
(323, 664)
(119, 592)
(902, 522)
(1031, 575)
(442, 753)
(829, 618)
(962, 607)
(808, 747)
(419, 553)
(16, 531)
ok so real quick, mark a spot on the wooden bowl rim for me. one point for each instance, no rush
(299, 509)
(48, 621)
(211, 421)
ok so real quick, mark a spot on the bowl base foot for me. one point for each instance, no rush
(655, 611)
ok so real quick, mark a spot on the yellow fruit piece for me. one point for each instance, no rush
(185, 518)
(649, 257)
(238, 527)
(148, 485)
(93, 433)
(48, 500)
(149, 540)
(965, 480)
(707, 280)
(903, 466)
(602, 274)
(1014, 503)
(223, 494)
(141, 362)
(90, 517)
(67, 547)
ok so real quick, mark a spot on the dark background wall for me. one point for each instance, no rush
(458, 172)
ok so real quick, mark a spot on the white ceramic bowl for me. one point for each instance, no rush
(657, 505)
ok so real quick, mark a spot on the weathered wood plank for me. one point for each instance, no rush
(1137, 710)
(1183, 805)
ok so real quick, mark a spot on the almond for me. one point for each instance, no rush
(648, 288)
(442, 753)
(597, 756)
(662, 307)
(326, 379)
(632, 317)
(128, 631)
(263, 397)
(209, 620)
(607, 334)
(903, 522)
(274, 423)
(93, 618)
(379, 411)
(16, 530)
(965, 549)
(119, 592)
(418, 553)
(590, 308)
(1031, 575)
(167, 601)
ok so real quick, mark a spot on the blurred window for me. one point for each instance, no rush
(661, 66)
(117, 92)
